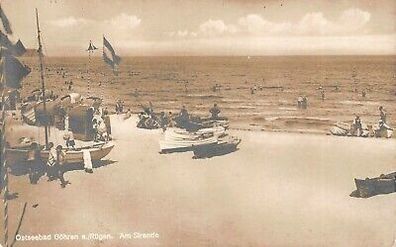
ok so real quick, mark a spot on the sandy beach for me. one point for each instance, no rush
(279, 189)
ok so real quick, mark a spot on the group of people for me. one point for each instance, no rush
(150, 120)
(53, 167)
(357, 126)
(302, 102)
(98, 124)
(119, 107)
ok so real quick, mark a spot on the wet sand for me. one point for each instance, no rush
(279, 189)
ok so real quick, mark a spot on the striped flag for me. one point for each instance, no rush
(109, 55)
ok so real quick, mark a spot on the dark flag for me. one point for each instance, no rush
(5, 42)
(114, 57)
(5, 21)
(13, 71)
(91, 47)
(18, 49)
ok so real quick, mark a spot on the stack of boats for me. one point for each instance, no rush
(205, 142)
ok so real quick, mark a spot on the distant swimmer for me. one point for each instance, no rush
(302, 102)
(323, 95)
(215, 111)
(299, 102)
(136, 93)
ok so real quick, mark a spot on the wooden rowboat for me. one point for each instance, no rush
(169, 146)
(97, 151)
(383, 184)
(223, 146)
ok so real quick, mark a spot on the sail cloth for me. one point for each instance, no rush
(12, 70)
(5, 21)
(109, 55)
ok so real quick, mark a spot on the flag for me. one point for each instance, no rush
(18, 49)
(5, 42)
(115, 59)
(5, 21)
(91, 47)
(13, 71)
(108, 60)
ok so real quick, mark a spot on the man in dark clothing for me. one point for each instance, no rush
(58, 169)
(184, 116)
(215, 111)
(35, 164)
(382, 114)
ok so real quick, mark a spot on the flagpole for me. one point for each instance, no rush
(89, 76)
(40, 53)
(3, 148)
(3, 151)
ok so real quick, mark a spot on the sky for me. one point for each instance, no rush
(208, 27)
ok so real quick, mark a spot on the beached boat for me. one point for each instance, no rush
(344, 129)
(170, 146)
(97, 151)
(182, 134)
(196, 123)
(223, 146)
(383, 184)
(180, 140)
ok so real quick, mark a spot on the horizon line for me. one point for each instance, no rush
(251, 56)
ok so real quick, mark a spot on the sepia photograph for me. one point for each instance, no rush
(197, 123)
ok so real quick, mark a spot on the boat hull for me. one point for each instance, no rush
(373, 186)
(15, 155)
(170, 146)
(222, 147)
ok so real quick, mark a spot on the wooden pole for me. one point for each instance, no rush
(3, 151)
(40, 54)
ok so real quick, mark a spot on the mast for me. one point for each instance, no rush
(40, 53)
(89, 64)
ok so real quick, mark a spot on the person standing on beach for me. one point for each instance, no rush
(383, 114)
(184, 116)
(51, 161)
(34, 163)
(215, 111)
(58, 169)
(357, 128)
(70, 143)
